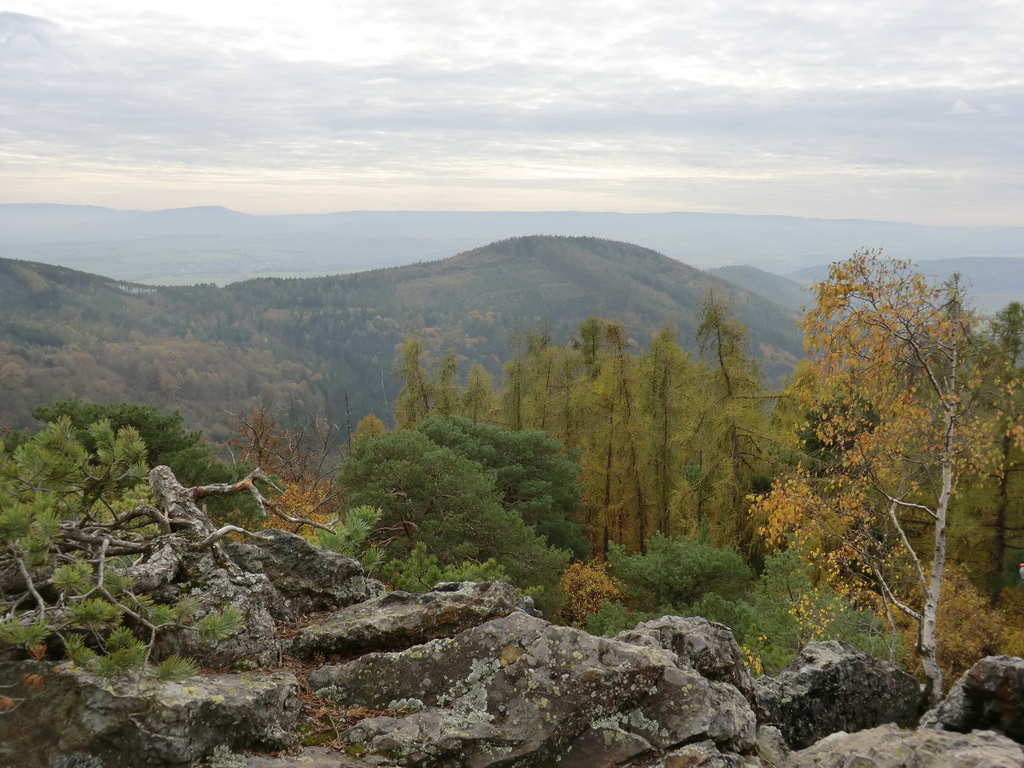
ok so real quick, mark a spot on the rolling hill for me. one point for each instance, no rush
(307, 344)
(784, 292)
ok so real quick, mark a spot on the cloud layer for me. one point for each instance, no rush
(871, 109)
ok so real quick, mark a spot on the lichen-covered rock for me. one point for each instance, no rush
(253, 645)
(310, 757)
(520, 691)
(703, 754)
(990, 695)
(308, 577)
(771, 747)
(399, 620)
(830, 687)
(889, 747)
(141, 724)
(604, 747)
(708, 647)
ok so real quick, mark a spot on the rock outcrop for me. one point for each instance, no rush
(990, 695)
(276, 576)
(889, 747)
(831, 687)
(253, 645)
(520, 691)
(398, 620)
(309, 578)
(136, 724)
(706, 646)
(468, 676)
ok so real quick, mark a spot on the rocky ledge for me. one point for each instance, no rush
(468, 675)
(66, 713)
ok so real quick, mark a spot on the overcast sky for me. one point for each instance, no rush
(910, 110)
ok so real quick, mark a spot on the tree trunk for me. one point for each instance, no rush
(928, 636)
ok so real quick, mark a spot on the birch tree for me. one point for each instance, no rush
(894, 400)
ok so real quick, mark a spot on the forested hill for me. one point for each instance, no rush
(307, 343)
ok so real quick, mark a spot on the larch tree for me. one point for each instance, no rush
(1004, 363)
(894, 404)
(633, 505)
(663, 373)
(478, 399)
(730, 439)
(416, 397)
(447, 396)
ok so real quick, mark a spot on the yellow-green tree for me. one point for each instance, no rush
(728, 443)
(666, 398)
(1004, 370)
(369, 426)
(478, 399)
(447, 397)
(416, 397)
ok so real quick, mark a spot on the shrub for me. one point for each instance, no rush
(586, 587)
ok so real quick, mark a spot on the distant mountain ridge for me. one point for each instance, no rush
(312, 342)
(215, 244)
(991, 283)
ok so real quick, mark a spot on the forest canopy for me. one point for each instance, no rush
(877, 497)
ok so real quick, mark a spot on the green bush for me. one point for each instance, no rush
(429, 494)
(351, 537)
(420, 571)
(614, 616)
(678, 572)
(773, 617)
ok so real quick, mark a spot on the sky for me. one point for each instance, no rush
(907, 111)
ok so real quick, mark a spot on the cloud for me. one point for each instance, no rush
(633, 101)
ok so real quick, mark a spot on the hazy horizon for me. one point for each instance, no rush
(539, 211)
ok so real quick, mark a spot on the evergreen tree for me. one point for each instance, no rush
(74, 525)
(534, 477)
(429, 493)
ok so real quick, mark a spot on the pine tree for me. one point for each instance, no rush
(76, 526)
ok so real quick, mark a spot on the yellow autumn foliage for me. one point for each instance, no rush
(586, 586)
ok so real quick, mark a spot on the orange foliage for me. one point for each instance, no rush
(586, 586)
(969, 628)
(369, 426)
(298, 458)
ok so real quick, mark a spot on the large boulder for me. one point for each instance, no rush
(830, 687)
(65, 712)
(990, 695)
(706, 646)
(308, 577)
(518, 691)
(275, 576)
(399, 620)
(889, 747)
(254, 644)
